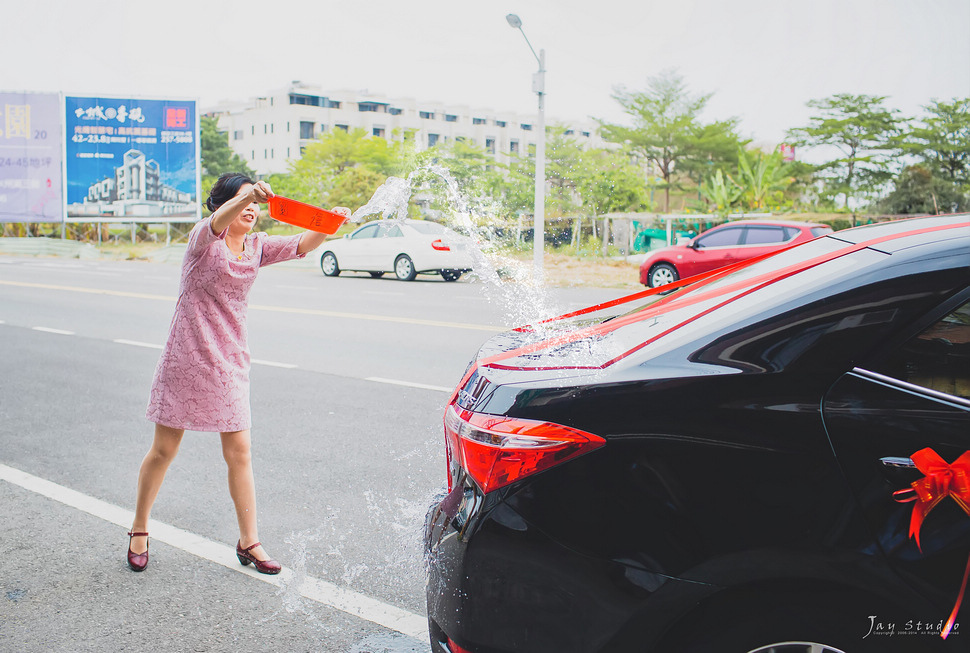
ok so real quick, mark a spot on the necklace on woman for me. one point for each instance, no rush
(241, 253)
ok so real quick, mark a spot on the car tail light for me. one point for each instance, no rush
(454, 648)
(440, 245)
(496, 450)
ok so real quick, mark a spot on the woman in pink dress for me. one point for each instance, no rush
(202, 379)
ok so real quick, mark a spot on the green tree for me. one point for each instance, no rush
(763, 177)
(336, 150)
(918, 191)
(714, 144)
(217, 157)
(353, 187)
(722, 191)
(668, 133)
(519, 192)
(608, 181)
(942, 140)
(580, 181)
(863, 131)
(564, 162)
(474, 172)
(321, 176)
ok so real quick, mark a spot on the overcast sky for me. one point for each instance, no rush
(762, 59)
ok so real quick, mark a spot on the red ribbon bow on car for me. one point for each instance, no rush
(942, 480)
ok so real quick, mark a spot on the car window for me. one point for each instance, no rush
(430, 228)
(368, 231)
(721, 237)
(764, 235)
(937, 358)
(821, 231)
(389, 231)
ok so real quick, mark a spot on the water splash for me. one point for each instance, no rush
(509, 283)
(396, 520)
(390, 201)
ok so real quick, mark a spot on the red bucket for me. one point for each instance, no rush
(304, 215)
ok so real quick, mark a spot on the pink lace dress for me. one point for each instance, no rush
(202, 379)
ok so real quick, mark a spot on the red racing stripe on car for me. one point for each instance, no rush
(674, 302)
(676, 285)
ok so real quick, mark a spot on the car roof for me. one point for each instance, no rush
(405, 221)
(902, 234)
(772, 223)
(932, 243)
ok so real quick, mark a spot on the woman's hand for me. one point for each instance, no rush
(261, 192)
(310, 240)
(258, 193)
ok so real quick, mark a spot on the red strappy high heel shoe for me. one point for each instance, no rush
(262, 566)
(137, 561)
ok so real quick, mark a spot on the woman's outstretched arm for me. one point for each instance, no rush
(310, 240)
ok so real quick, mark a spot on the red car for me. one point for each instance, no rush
(723, 245)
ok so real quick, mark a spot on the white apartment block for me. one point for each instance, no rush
(274, 129)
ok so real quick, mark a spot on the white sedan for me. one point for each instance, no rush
(405, 247)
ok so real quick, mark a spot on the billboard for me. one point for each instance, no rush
(132, 159)
(30, 157)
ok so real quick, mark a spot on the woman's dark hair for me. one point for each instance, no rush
(225, 189)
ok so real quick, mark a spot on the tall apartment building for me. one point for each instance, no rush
(271, 130)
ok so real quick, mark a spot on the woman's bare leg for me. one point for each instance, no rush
(237, 450)
(150, 477)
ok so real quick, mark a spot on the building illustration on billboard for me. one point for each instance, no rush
(131, 159)
(135, 180)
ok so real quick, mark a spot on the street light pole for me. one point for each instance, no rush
(539, 220)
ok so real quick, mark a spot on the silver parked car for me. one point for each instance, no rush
(405, 247)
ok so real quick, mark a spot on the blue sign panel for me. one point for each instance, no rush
(131, 158)
(30, 158)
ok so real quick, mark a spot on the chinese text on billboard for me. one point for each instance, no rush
(30, 157)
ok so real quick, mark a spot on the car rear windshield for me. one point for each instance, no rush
(691, 314)
(821, 231)
(429, 228)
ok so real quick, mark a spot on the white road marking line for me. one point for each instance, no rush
(136, 343)
(258, 307)
(50, 330)
(423, 386)
(286, 366)
(256, 361)
(321, 591)
(289, 287)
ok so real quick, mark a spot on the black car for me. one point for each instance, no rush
(732, 464)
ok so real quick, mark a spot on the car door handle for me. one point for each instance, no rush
(900, 472)
(894, 462)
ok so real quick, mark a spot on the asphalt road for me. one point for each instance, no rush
(349, 383)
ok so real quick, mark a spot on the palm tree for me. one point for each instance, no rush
(763, 179)
(722, 191)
